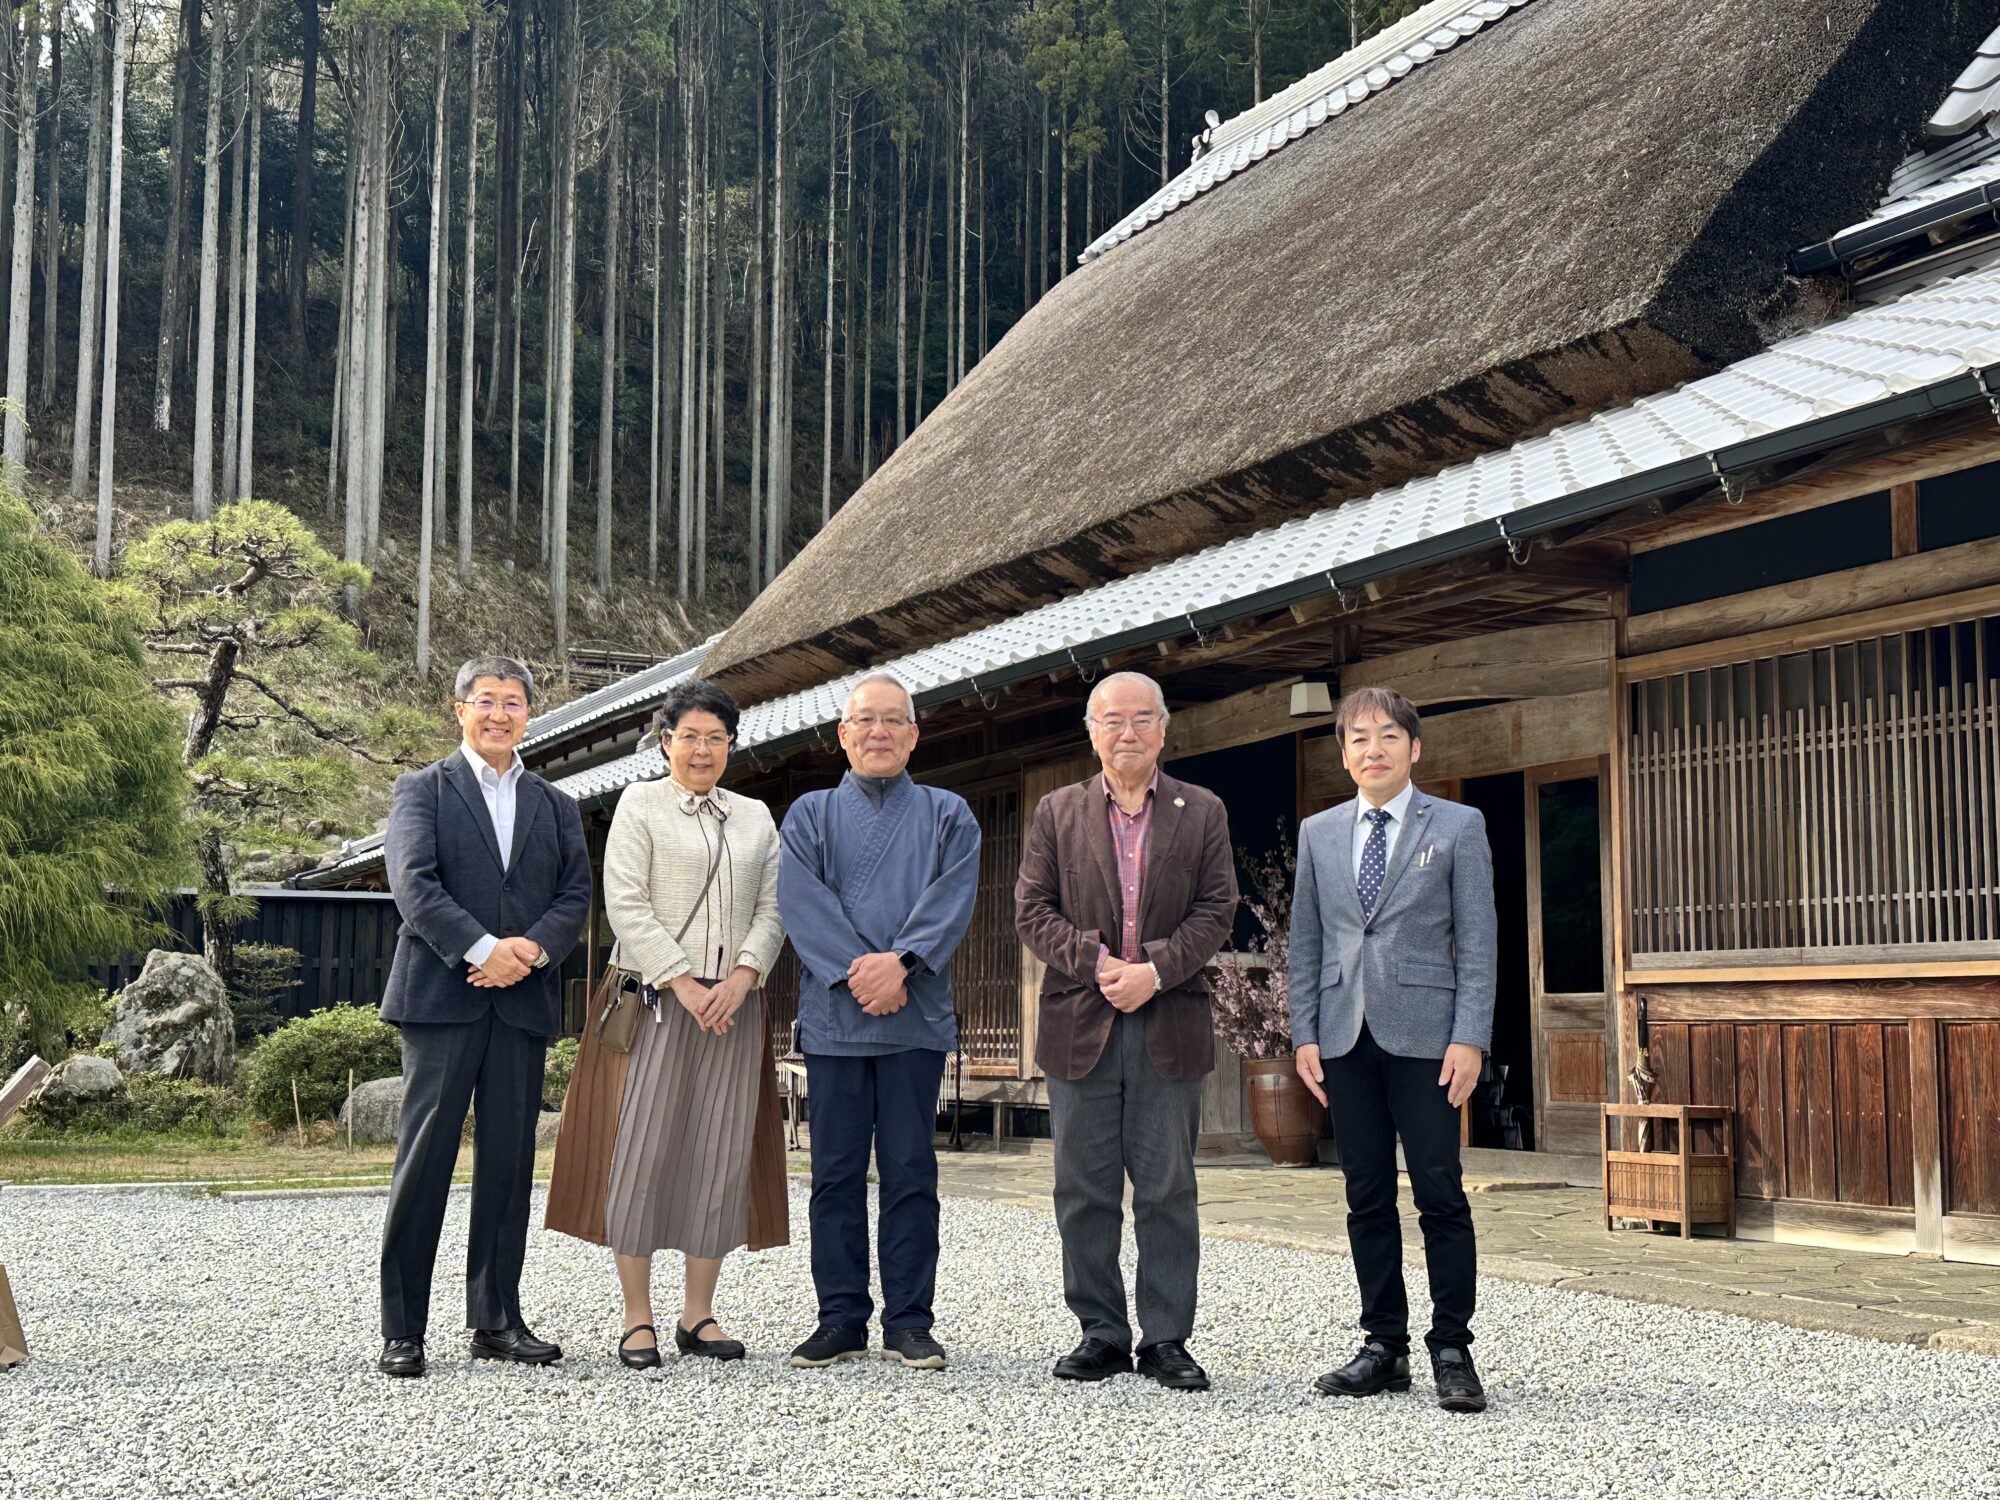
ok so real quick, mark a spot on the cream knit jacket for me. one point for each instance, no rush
(654, 862)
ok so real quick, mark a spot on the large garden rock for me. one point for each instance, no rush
(77, 1084)
(175, 1019)
(376, 1107)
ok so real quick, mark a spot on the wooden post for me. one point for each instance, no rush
(1926, 1137)
(27, 1078)
(298, 1114)
(1904, 531)
(350, 1110)
(1683, 1129)
(13, 1342)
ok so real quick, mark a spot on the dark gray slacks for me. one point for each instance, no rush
(446, 1067)
(1124, 1118)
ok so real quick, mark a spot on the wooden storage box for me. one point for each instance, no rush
(1670, 1181)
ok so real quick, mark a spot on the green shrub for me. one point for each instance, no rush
(318, 1050)
(562, 1063)
(261, 975)
(180, 1106)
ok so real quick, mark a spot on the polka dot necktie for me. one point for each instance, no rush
(1374, 858)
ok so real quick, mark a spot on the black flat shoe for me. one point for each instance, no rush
(1458, 1384)
(1169, 1363)
(1093, 1359)
(689, 1341)
(640, 1359)
(403, 1358)
(1376, 1368)
(514, 1346)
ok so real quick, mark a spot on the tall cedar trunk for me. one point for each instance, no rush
(847, 305)
(433, 357)
(360, 296)
(21, 283)
(52, 218)
(980, 235)
(569, 70)
(868, 337)
(698, 513)
(508, 246)
(93, 264)
(1062, 239)
(690, 271)
(232, 341)
(173, 273)
(304, 141)
(780, 311)
(902, 290)
(114, 214)
(342, 398)
(964, 214)
(247, 427)
(607, 392)
(826, 377)
(755, 291)
(954, 194)
(211, 264)
(653, 365)
(718, 285)
(377, 390)
(8, 83)
(672, 252)
(467, 369)
(1042, 228)
(1166, 132)
(924, 247)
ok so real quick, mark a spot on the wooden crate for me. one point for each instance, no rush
(1670, 1181)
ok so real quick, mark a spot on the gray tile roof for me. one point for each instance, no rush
(624, 696)
(1974, 96)
(1322, 95)
(1935, 345)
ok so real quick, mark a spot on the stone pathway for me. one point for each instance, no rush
(1554, 1236)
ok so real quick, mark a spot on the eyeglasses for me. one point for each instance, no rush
(1117, 724)
(687, 740)
(512, 707)
(891, 722)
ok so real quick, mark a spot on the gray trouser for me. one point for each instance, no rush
(446, 1066)
(1123, 1118)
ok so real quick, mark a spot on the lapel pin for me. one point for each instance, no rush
(1180, 802)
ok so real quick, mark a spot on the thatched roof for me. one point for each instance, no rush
(1589, 201)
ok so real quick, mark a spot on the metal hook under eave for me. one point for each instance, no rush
(1084, 674)
(1200, 638)
(1992, 396)
(1348, 603)
(1519, 549)
(987, 701)
(1734, 488)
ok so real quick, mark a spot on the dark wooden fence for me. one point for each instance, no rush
(344, 939)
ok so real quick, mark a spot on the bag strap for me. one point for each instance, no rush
(701, 896)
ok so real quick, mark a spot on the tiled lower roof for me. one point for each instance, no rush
(1974, 96)
(1932, 347)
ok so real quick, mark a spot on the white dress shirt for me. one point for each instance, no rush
(500, 791)
(1398, 809)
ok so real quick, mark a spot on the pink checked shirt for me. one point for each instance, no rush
(1130, 834)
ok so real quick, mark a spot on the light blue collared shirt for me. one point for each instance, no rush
(1398, 809)
(500, 791)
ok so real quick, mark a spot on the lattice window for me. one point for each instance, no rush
(1832, 805)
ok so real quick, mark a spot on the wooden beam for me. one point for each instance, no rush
(27, 1078)
(1916, 615)
(1262, 713)
(1481, 742)
(1806, 1000)
(1905, 530)
(1962, 450)
(1927, 1136)
(1882, 585)
(1540, 661)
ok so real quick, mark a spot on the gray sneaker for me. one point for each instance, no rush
(915, 1348)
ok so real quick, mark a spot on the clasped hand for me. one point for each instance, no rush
(714, 1006)
(511, 961)
(877, 981)
(1126, 985)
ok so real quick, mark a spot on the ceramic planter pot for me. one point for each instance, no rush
(1283, 1112)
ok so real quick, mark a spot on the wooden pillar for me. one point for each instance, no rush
(1927, 1136)
(1904, 530)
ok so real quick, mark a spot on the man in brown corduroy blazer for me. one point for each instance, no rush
(1127, 889)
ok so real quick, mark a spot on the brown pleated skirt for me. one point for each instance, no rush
(676, 1144)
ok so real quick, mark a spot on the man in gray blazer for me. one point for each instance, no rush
(1391, 975)
(490, 874)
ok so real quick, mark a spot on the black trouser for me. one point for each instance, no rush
(887, 1103)
(446, 1066)
(1374, 1097)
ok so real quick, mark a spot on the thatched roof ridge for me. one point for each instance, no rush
(1589, 201)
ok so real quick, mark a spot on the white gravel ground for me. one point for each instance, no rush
(187, 1346)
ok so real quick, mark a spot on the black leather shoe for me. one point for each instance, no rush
(829, 1345)
(403, 1358)
(1376, 1368)
(1458, 1384)
(690, 1341)
(914, 1348)
(515, 1345)
(647, 1358)
(1172, 1366)
(1093, 1359)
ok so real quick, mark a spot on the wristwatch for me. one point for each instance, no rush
(911, 963)
(541, 959)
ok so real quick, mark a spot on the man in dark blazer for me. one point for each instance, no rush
(1391, 975)
(1127, 889)
(489, 870)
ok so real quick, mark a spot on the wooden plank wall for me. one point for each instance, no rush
(1822, 1108)
(1971, 1120)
